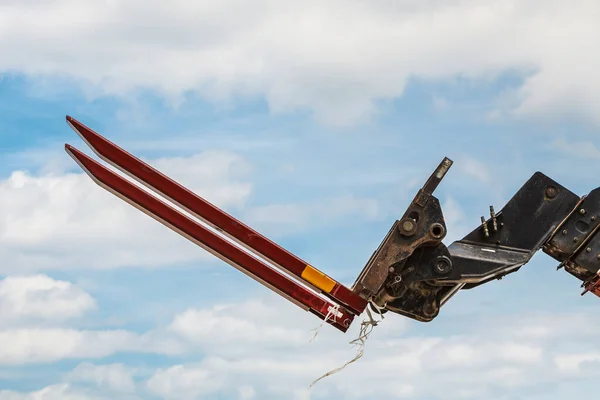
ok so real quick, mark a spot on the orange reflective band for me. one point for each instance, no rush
(318, 279)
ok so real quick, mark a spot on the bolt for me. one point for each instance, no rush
(582, 211)
(550, 192)
(391, 270)
(494, 221)
(575, 239)
(598, 256)
(564, 232)
(408, 225)
(443, 265)
(588, 249)
(593, 217)
(486, 231)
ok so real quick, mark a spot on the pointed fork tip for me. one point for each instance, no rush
(75, 124)
(70, 120)
(72, 151)
(70, 148)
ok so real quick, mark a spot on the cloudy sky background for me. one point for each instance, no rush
(315, 122)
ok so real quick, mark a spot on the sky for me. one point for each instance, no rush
(315, 122)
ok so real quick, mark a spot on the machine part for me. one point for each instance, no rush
(576, 243)
(306, 293)
(500, 246)
(412, 272)
(592, 284)
(215, 217)
(421, 225)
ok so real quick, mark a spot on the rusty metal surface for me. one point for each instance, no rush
(422, 224)
(576, 242)
(588, 257)
(596, 290)
(413, 273)
(577, 229)
(413, 295)
(592, 285)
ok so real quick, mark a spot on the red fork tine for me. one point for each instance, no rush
(340, 317)
(213, 216)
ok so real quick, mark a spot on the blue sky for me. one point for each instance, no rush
(316, 133)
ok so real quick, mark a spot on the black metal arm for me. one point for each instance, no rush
(413, 273)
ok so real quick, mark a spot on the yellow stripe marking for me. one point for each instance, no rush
(317, 278)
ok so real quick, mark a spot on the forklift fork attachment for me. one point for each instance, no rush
(412, 273)
(318, 293)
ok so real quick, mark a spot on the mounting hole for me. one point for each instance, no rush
(582, 226)
(414, 216)
(437, 231)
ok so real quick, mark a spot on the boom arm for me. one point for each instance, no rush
(412, 272)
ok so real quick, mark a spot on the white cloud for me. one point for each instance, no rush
(246, 393)
(47, 345)
(572, 363)
(579, 149)
(32, 310)
(115, 377)
(336, 58)
(67, 221)
(35, 345)
(474, 168)
(249, 328)
(41, 297)
(491, 358)
(179, 383)
(54, 392)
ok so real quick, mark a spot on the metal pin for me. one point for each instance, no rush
(494, 222)
(485, 227)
